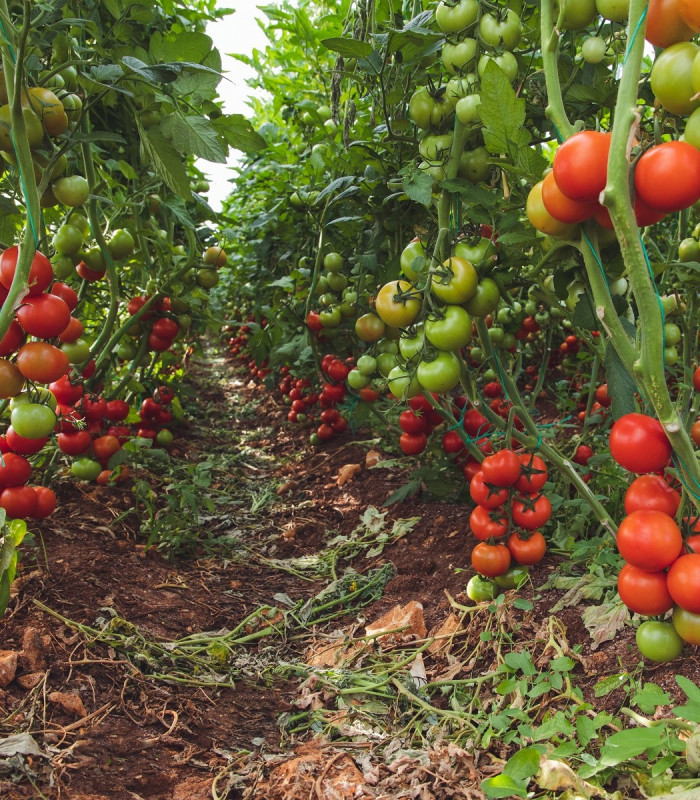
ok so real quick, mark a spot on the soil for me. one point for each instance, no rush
(105, 726)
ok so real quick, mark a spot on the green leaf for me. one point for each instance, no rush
(609, 684)
(239, 133)
(152, 74)
(187, 46)
(418, 185)
(650, 697)
(408, 490)
(523, 764)
(520, 662)
(584, 315)
(623, 745)
(168, 164)
(503, 786)
(621, 385)
(348, 47)
(475, 194)
(195, 136)
(689, 689)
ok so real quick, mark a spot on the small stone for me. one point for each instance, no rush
(8, 667)
(443, 633)
(373, 457)
(347, 473)
(69, 702)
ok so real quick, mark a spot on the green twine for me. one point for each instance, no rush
(676, 458)
(634, 36)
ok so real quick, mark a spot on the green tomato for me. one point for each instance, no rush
(506, 62)
(497, 30)
(659, 641)
(689, 249)
(455, 17)
(467, 109)
(121, 244)
(207, 277)
(330, 317)
(164, 437)
(476, 354)
(450, 331)
(593, 49)
(496, 334)
(333, 262)
(577, 13)
(513, 578)
(337, 282)
(474, 165)
(458, 56)
(508, 341)
(68, 240)
(385, 363)
(367, 364)
(356, 380)
(33, 420)
(77, 351)
(480, 589)
(441, 374)
(435, 148)
(430, 109)
(86, 469)
(63, 267)
(388, 346)
(413, 259)
(672, 334)
(72, 191)
(322, 286)
(455, 281)
(670, 356)
(475, 253)
(94, 259)
(671, 79)
(41, 394)
(403, 384)
(410, 346)
(327, 300)
(485, 299)
(614, 10)
(460, 86)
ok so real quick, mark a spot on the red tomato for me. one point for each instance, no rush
(644, 592)
(19, 502)
(105, 447)
(581, 165)
(651, 492)
(12, 339)
(22, 445)
(116, 410)
(413, 443)
(527, 551)
(66, 392)
(533, 473)
(490, 560)
(73, 330)
(313, 322)
(665, 25)
(409, 422)
(502, 468)
(561, 207)
(667, 177)
(14, 470)
(638, 443)
(601, 395)
(582, 455)
(531, 511)
(42, 362)
(470, 469)
(45, 502)
(475, 423)
(74, 443)
(650, 540)
(451, 443)
(683, 581)
(486, 524)
(66, 293)
(40, 273)
(44, 315)
(485, 494)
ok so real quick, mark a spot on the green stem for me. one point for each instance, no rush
(555, 110)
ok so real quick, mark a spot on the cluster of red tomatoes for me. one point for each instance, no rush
(662, 570)
(507, 490)
(20, 500)
(163, 329)
(238, 346)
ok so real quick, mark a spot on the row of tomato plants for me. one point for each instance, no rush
(454, 234)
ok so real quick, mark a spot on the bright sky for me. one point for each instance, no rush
(237, 33)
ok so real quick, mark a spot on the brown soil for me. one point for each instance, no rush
(135, 736)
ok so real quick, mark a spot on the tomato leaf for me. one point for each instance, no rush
(418, 185)
(523, 764)
(166, 161)
(194, 135)
(348, 47)
(239, 133)
(186, 46)
(503, 786)
(621, 385)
